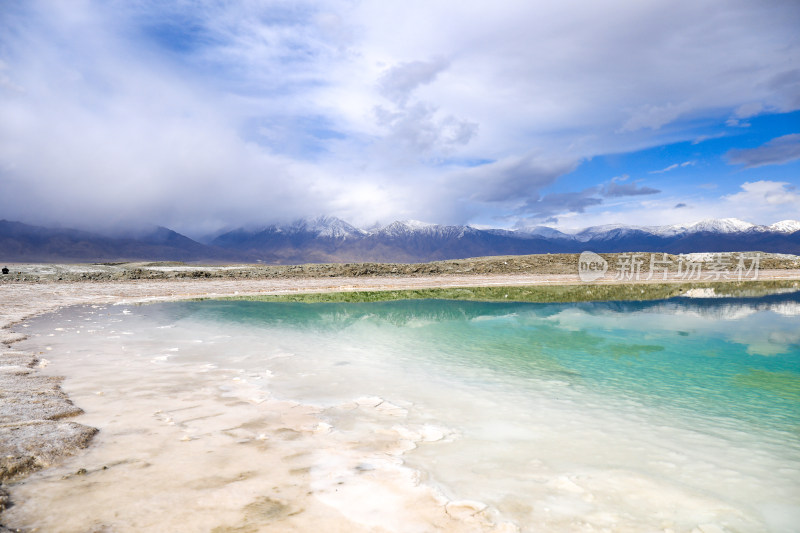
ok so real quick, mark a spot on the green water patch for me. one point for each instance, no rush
(543, 293)
(633, 350)
(519, 344)
(783, 383)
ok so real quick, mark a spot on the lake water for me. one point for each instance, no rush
(676, 415)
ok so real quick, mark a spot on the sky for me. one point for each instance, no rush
(209, 115)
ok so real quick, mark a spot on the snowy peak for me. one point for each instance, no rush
(785, 226)
(544, 231)
(671, 230)
(416, 224)
(412, 228)
(327, 227)
(395, 229)
(404, 227)
(721, 225)
(606, 231)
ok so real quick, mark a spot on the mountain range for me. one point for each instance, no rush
(330, 239)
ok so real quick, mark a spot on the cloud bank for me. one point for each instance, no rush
(208, 114)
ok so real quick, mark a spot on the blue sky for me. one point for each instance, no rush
(204, 115)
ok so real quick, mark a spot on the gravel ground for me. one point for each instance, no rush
(542, 264)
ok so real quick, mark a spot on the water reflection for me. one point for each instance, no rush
(405, 312)
(736, 358)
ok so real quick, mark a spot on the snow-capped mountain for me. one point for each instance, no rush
(327, 227)
(321, 227)
(330, 239)
(784, 226)
(328, 232)
(616, 231)
(415, 228)
(407, 225)
(607, 232)
(402, 227)
(721, 226)
(545, 231)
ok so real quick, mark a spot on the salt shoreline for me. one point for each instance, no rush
(24, 300)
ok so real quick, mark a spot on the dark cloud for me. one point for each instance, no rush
(776, 152)
(518, 185)
(788, 84)
(615, 189)
(680, 205)
(421, 128)
(510, 180)
(399, 82)
(548, 207)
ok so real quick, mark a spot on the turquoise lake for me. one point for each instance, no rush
(667, 415)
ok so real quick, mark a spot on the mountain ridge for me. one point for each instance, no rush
(326, 239)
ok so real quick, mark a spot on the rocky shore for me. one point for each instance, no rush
(34, 431)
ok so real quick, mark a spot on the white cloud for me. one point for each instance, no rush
(765, 194)
(744, 111)
(703, 138)
(674, 166)
(736, 123)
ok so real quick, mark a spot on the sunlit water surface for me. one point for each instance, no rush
(646, 416)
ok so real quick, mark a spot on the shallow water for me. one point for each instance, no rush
(669, 415)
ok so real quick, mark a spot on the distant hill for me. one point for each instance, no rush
(329, 239)
(22, 242)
